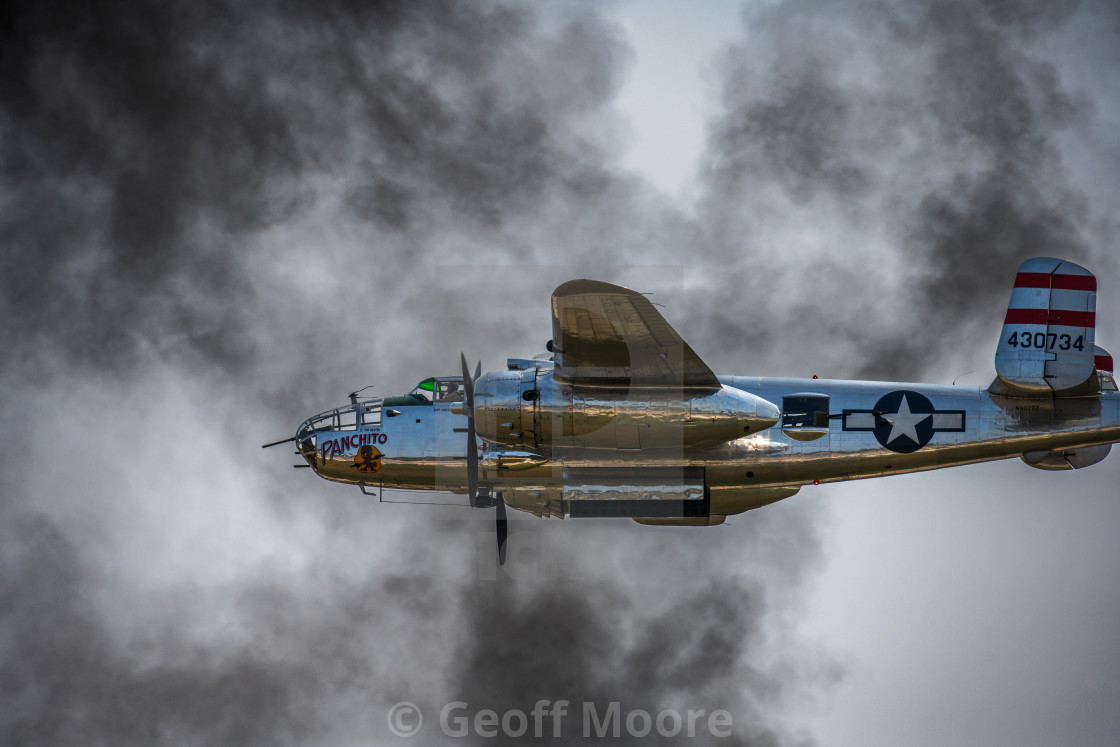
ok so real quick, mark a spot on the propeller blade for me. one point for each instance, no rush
(468, 382)
(472, 466)
(477, 371)
(472, 447)
(502, 529)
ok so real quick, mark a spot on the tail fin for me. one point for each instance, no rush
(1047, 342)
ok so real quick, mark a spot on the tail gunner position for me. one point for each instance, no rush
(625, 419)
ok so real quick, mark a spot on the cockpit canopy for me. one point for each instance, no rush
(434, 389)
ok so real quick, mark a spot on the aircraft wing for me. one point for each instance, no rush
(610, 336)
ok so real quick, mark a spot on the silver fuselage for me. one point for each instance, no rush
(863, 429)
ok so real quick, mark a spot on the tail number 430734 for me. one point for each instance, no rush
(1045, 341)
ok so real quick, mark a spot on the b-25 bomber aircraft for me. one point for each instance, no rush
(624, 419)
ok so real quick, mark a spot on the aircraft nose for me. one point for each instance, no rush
(306, 446)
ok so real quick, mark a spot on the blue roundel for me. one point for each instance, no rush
(903, 421)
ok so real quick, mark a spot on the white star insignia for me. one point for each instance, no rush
(904, 422)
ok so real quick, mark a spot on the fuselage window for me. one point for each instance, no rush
(805, 411)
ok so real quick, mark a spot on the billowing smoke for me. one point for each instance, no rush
(880, 169)
(218, 218)
(157, 149)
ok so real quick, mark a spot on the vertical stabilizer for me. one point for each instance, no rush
(1047, 342)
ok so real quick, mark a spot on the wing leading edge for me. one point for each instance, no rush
(609, 336)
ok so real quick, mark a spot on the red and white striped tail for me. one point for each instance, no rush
(1047, 344)
(1102, 359)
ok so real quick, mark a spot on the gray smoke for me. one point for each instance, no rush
(886, 166)
(220, 217)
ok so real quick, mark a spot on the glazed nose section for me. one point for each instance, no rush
(305, 447)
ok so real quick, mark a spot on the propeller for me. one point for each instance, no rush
(502, 529)
(501, 526)
(472, 446)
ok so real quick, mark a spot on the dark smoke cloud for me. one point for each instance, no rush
(64, 683)
(582, 643)
(899, 158)
(219, 216)
(320, 656)
(152, 145)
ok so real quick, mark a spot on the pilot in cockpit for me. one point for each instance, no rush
(452, 394)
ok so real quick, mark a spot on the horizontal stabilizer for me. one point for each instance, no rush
(1102, 359)
(1046, 346)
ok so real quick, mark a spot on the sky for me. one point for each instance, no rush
(217, 219)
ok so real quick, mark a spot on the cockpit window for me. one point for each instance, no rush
(424, 390)
(449, 391)
(1108, 383)
(439, 389)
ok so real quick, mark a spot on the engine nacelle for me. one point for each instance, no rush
(527, 409)
(1067, 458)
